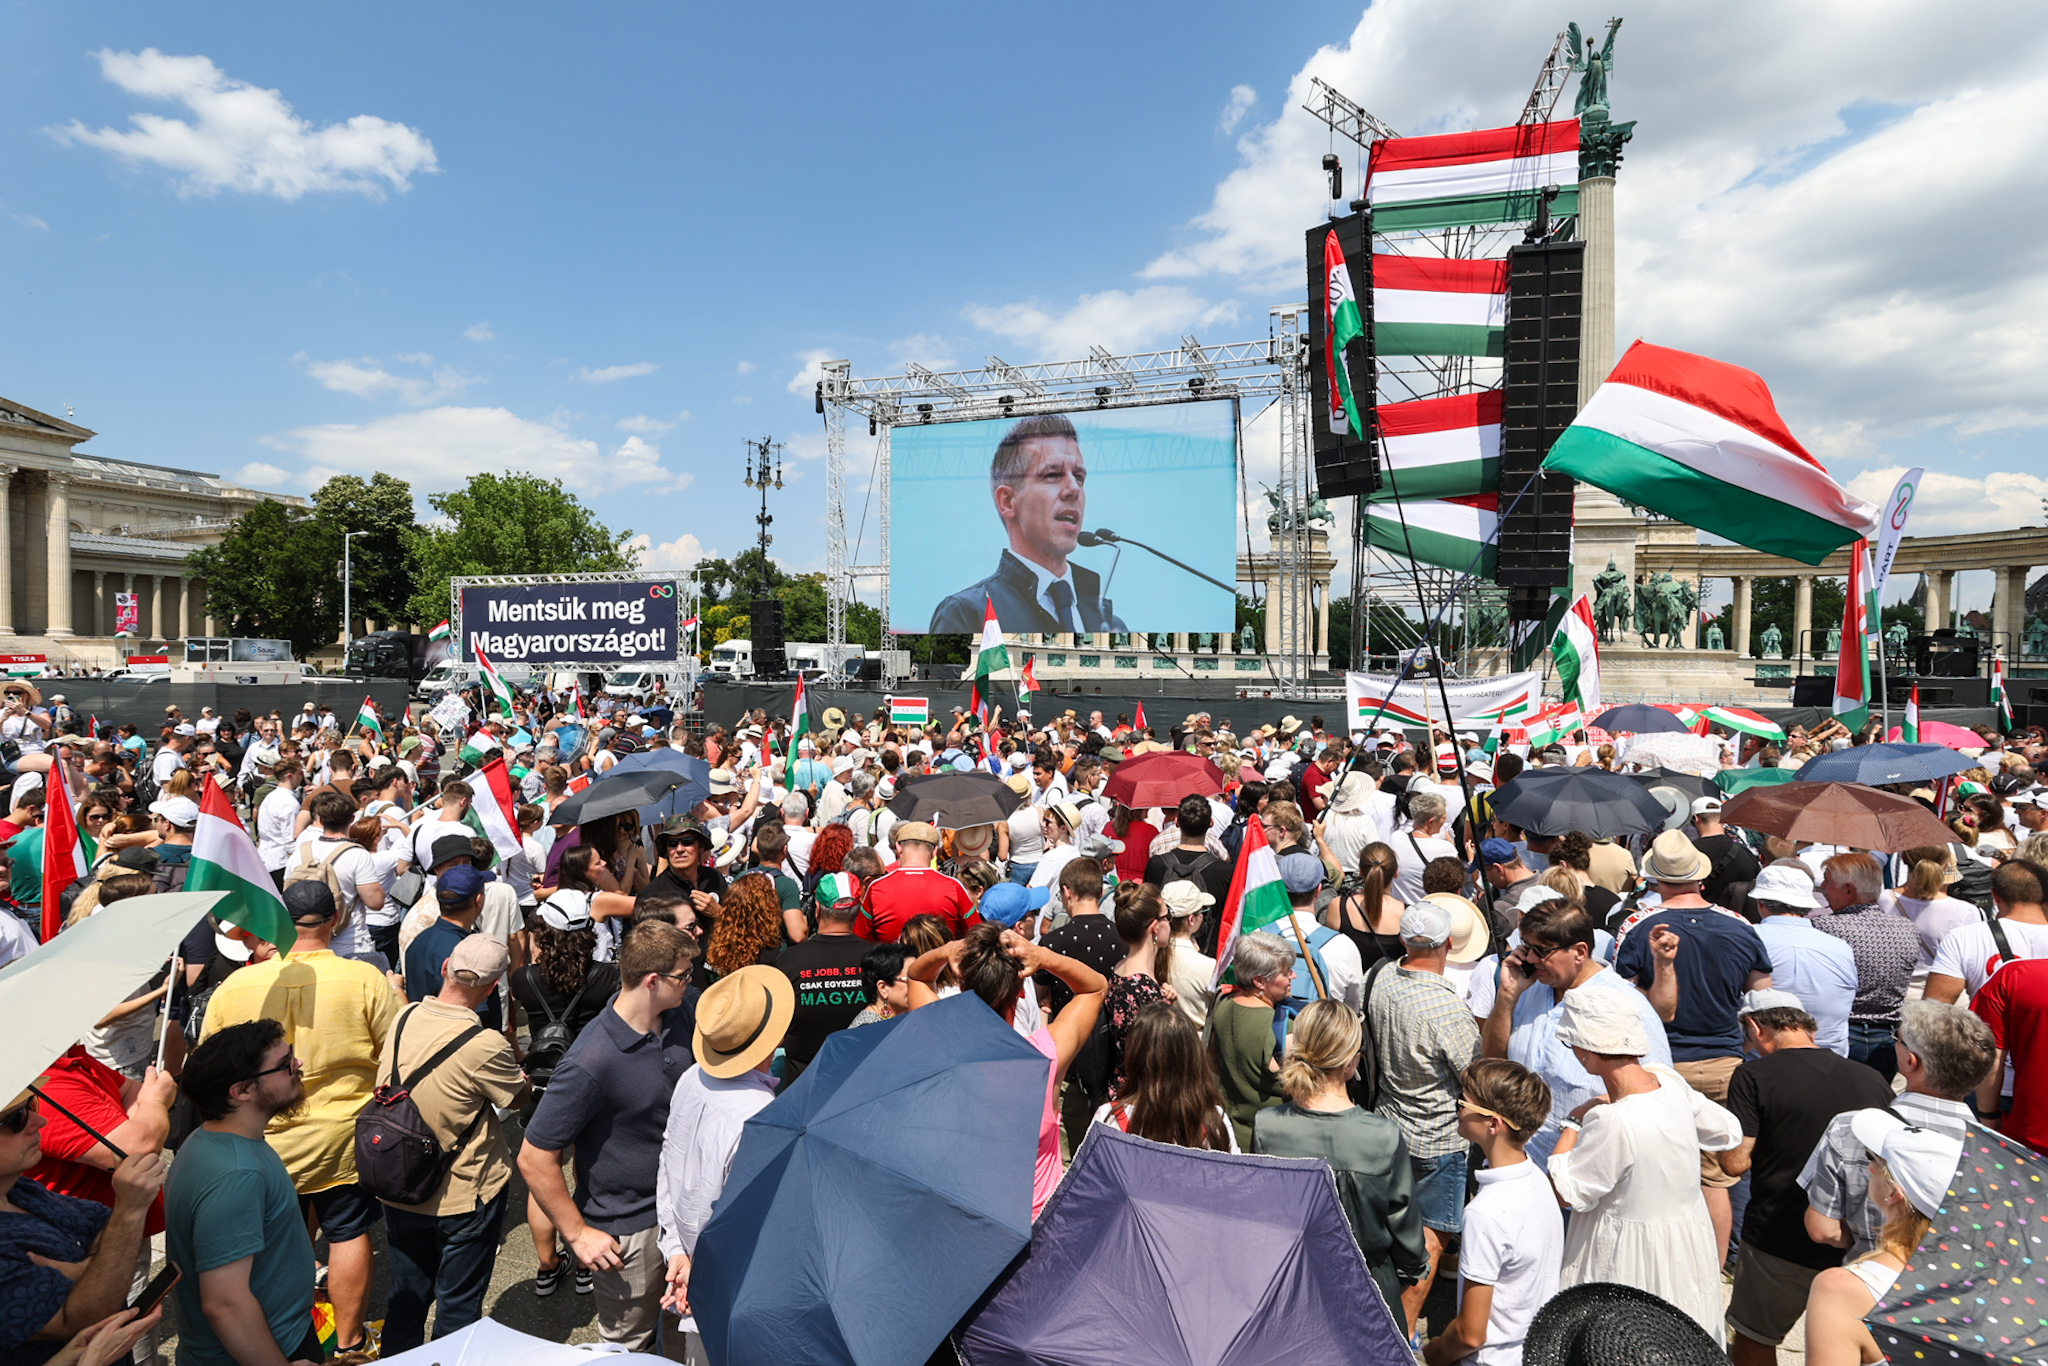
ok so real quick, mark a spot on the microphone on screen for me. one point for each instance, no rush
(1099, 536)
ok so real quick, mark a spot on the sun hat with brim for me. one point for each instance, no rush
(723, 783)
(1469, 936)
(1351, 793)
(741, 1019)
(35, 695)
(567, 910)
(1674, 858)
(1922, 1162)
(1600, 1323)
(1602, 1022)
(232, 946)
(1783, 886)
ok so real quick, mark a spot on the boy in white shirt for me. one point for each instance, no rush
(1513, 1238)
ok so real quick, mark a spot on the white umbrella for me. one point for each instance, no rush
(49, 999)
(1695, 754)
(490, 1343)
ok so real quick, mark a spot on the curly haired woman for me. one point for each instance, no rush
(749, 926)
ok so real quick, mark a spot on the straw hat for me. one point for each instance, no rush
(741, 1019)
(1674, 858)
(1469, 937)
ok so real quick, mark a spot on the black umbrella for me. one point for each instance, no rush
(610, 796)
(955, 801)
(1557, 801)
(1634, 718)
(1691, 784)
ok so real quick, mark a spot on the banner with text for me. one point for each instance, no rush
(621, 621)
(1477, 704)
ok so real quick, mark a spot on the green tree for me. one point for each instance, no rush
(276, 576)
(1771, 605)
(508, 524)
(382, 578)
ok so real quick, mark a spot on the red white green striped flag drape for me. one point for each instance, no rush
(1495, 175)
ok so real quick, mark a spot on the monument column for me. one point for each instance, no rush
(156, 607)
(99, 604)
(6, 550)
(58, 532)
(1600, 143)
(1940, 583)
(184, 606)
(1802, 615)
(1743, 604)
(2009, 608)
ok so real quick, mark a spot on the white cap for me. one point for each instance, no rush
(567, 909)
(1783, 886)
(1184, 898)
(1922, 1162)
(182, 812)
(1706, 806)
(1425, 922)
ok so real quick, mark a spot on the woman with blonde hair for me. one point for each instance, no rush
(1370, 917)
(1366, 1152)
(1930, 872)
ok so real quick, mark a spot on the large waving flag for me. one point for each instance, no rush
(1852, 667)
(2000, 703)
(992, 656)
(496, 686)
(1456, 180)
(1257, 896)
(1441, 447)
(1431, 306)
(1701, 441)
(225, 860)
(439, 632)
(67, 855)
(1342, 325)
(496, 807)
(799, 715)
(1027, 682)
(1577, 653)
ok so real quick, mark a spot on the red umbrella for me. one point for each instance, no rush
(1837, 813)
(1942, 733)
(1162, 779)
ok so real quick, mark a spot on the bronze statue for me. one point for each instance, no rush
(1593, 67)
(1610, 602)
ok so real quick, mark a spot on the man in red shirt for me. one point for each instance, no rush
(2015, 1004)
(913, 888)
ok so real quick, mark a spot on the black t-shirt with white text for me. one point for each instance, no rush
(825, 970)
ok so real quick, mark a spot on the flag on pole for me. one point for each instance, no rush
(1257, 897)
(67, 855)
(689, 625)
(579, 782)
(576, 697)
(1910, 731)
(1576, 651)
(1852, 666)
(799, 716)
(475, 749)
(910, 711)
(224, 859)
(1551, 725)
(497, 686)
(976, 707)
(366, 718)
(1892, 529)
(1999, 702)
(1027, 683)
(1139, 722)
(1342, 325)
(496, 807)
(1743, 721)
(1450, 533)
(992, 656)
(439, 632)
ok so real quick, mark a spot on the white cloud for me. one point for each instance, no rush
(439, 448)
(1954, 504)
(1115, 319)
(924, 348)
(806, 379)
(26, 220)
(644, 425)
(479, 332)
(806, 446)
(246, 138)
(258, 475)
(1242, 98)
(612, 372)
(682, 553)
(745, 367)
(368, 378)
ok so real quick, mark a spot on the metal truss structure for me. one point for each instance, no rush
(1250, 371)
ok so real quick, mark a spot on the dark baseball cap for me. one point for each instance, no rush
(448, 847)
(309, 901)
(461, 882)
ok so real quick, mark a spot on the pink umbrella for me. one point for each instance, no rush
(1942, 733)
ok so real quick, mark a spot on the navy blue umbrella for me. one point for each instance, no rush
(684, 799)
(1153, 1255)
(1556, 801)
(871, 1204)
(1877, 765)
(1637, 719)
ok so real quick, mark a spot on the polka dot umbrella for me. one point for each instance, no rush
(1977, 1290)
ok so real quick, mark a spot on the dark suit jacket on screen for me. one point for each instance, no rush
(1013, 588)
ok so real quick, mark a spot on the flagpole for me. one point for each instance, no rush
(163, 1039)
(1301, 938)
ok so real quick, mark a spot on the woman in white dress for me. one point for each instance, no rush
(1628, 1166)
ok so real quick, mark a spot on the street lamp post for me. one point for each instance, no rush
(348, 622)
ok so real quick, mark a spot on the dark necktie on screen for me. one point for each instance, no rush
(1062, 594)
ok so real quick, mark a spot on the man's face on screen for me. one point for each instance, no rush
(1044, 508)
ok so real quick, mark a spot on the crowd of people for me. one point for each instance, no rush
(1729, 1070)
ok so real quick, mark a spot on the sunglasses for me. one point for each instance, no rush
(290, 1064)
(15, 1120)
(1470, 1108)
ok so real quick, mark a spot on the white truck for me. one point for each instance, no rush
(735, 658)
(639, 684)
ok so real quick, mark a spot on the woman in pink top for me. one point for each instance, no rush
(992, 963)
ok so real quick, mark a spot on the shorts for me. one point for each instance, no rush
(1709, 1077)
(1440, 1190)
(1770, 1295)
(345, 1212)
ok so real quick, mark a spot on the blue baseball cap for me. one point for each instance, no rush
(1006, 903)
(461, 882)
(1497, 850)
(1302, 872)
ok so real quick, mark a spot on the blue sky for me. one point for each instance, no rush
(608, 249)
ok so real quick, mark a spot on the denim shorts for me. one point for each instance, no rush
(1440, 1190)
(345, 1212)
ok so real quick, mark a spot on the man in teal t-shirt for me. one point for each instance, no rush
(232, 1220)
(25, 867)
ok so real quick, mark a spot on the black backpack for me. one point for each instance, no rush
(1364, 1085)
(397, 1156)
(550, 1043)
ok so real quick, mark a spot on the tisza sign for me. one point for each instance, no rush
(616, 622)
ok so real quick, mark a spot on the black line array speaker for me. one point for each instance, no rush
(1539, 398)
(1347, 462)
(764, 624)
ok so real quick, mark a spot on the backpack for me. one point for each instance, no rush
(1364, 1085)
(306, 870)
(1304, 990)
(1095, 1064)
(397, 1156)
(549, 1044)
(1974, 883)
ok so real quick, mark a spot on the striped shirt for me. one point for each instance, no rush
(1424, 1036)
(1837, 1177)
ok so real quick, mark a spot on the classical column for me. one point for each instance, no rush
(58, 523)
(1600, 143)
(99, 604)
(1323, 627)
(1802, 614)
(6, 550)
(1743, 604)
(184, 605)
(2009, 609)
(156, 607)
(1940, 586)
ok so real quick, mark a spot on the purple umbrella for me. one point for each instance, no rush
(1154, 1255)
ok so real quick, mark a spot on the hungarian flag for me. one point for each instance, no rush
(1027, 683)
(1342, 325)
(1576, 651)
(2000, 703)
(576, 698)
(477, 747)
(1852, 667)
(799, 716)
(976, 708)
(1910, 732)
(67, 855)
(1701, 441)
(579, 782)
(689, 625)
(1138, 723)
(1551, 725)
(991, 656)
(497, 686)
(1441, 447)
(1430, 306)
(496, 807)
(1458, 180)
(366, 718)
(224, 859)
(910, 711)
(1450, 533)
(1257, 896)
(439, 632)
(1743, 721)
